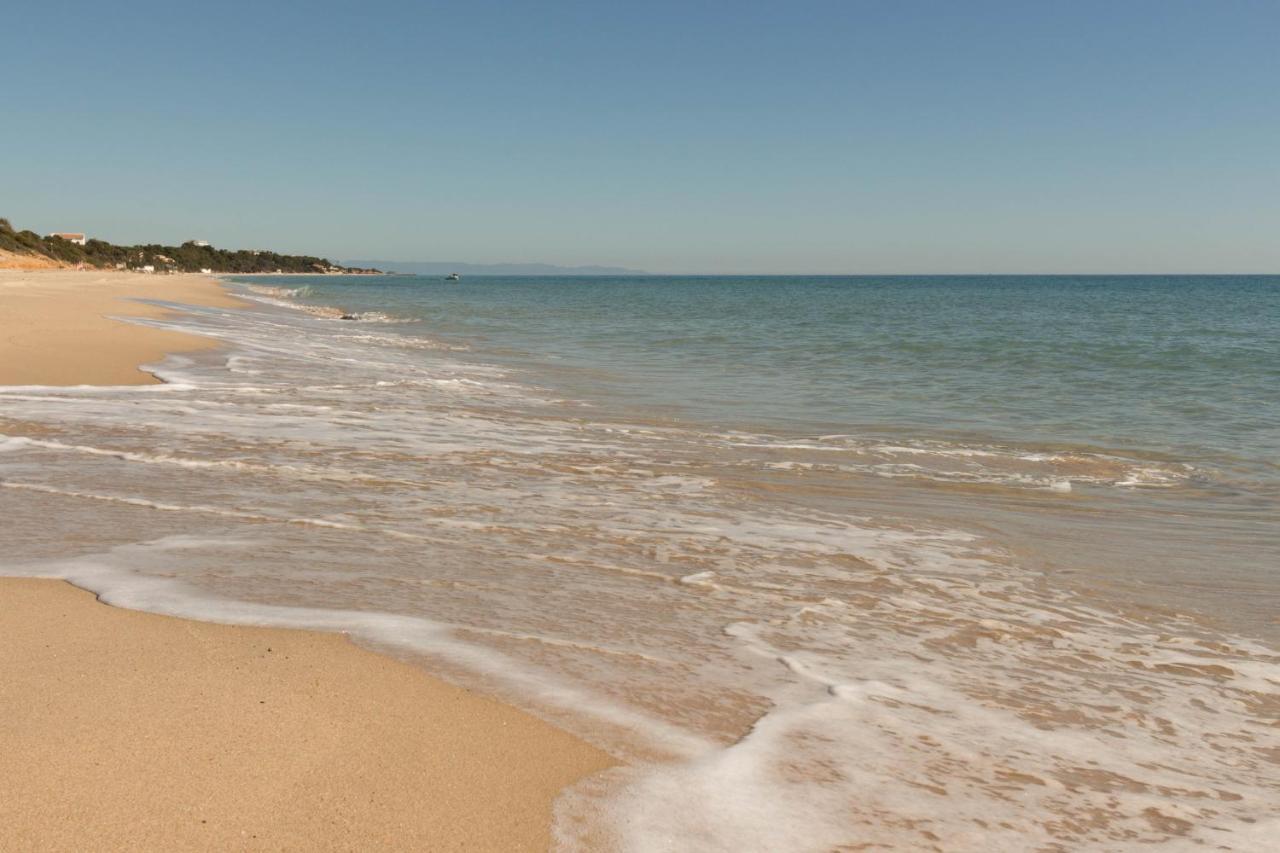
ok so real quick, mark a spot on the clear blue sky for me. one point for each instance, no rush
(849, 136)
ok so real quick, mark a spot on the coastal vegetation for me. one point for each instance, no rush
(191, 256)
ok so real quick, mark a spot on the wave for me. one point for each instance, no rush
(781, 671)
(1058, 471)
(286, 297)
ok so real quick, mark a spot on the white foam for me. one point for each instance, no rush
(105, 576)
(818, 677)
(996, 466)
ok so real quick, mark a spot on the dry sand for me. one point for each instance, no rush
(130, 731)
(55, 327)
(14, 261)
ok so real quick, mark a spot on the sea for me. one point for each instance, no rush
(959, 563)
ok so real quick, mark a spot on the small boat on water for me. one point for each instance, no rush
(453, 276)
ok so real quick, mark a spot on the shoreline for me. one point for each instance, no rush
(764, 634)
(124, 729)
(121, 728)
(56, 328)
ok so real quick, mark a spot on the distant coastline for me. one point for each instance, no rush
(29, 250)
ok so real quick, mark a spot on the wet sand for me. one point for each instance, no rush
(124, 730)
(56, 326)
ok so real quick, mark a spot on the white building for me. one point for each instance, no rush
(201, 243)
(70, 237)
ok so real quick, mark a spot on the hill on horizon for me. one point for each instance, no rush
(446, 267)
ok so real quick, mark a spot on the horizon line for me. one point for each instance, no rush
(647, 274)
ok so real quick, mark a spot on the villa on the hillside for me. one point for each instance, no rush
(78, 239)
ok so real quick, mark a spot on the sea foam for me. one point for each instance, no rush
(787, 658)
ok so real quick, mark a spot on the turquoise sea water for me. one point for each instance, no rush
(916, 563)
(1183, 366)
(1177, 376)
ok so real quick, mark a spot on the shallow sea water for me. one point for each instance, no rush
(961, 564)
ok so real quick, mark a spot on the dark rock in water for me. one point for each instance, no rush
(348, 317)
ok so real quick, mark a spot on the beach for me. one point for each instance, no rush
(641, 428)
(125, 730)
(57, 328)
(820, 563)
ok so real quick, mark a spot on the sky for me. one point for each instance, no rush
(864, 136)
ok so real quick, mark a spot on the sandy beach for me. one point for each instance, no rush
(122, 730)
(56, 326)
